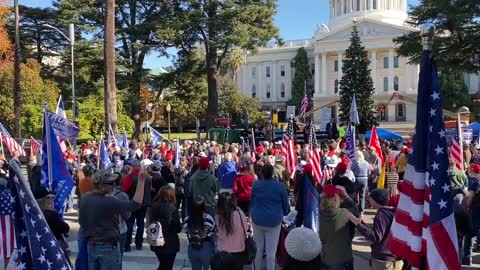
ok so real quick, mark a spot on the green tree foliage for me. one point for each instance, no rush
(356, 80)
(457, 33)
(35, 90)
(219, 26)
(92, 116)
(453, 89)
(302, 74)
(232, 101)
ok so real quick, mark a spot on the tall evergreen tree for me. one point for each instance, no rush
(302, 74)
(356, 80)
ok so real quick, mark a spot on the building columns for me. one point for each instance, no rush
(374, 68)
(316, 75)
(324, 73)
(340, 66)
(370, 4)
(390, 69)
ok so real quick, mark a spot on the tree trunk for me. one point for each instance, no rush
(109, 81)
(136, 110)
(17, 92)
(212, 108)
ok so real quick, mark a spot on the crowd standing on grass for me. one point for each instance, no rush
(235, 203)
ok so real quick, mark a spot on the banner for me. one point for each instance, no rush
(62, 127)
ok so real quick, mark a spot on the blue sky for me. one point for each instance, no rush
(296, 19)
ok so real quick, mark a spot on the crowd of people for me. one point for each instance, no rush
(226, 197)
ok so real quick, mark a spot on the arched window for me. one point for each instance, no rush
(282, 90)
(254, 91)
(268, 94)
(400, 112)
(395, 83)
(336, 86)
(374, 4)
(385, 84)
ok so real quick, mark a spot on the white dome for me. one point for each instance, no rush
(343, 12)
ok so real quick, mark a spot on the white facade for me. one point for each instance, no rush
(267, 74)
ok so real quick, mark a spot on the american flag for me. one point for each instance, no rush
(10, 142)
(423, 231)
(7, 228)
(328, 173)
(304, 104)
(37, 246)
(288, 148)
(35, 146)
(314, 154)
(4, 131)
(63, 145)
(456, 150)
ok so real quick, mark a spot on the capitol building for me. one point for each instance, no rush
(268, 74)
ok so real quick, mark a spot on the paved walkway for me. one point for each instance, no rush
(146, 260)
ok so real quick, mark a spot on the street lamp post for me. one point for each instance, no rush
(71, 39)
(168, 111)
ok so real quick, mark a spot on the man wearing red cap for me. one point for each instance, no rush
(205, 184)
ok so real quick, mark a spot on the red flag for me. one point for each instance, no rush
(375, 143)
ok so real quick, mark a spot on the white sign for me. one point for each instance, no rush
(325, 116)
(290, 112)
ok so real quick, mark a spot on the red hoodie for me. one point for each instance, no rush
(242, 187)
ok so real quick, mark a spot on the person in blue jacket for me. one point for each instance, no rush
(226, 173)
(269, 204)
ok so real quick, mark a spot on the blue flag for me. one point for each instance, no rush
(61, 181)
(178, 154)
(124, 139)
(311, 204)
(354, 112)
(156, 136)
(37, 247)
(62, 127)
(350, 143)
(104, 157)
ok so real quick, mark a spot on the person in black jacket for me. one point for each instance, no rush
(58, 227)
(164, 210)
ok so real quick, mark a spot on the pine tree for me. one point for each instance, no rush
(302, 74)
(356, 80)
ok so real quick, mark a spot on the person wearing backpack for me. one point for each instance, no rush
(231, 229)
(200, 229)
(164, 228)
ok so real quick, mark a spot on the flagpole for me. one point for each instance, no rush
(253, 139)
(99, 151)
(1, 143)
(304, 115)
(48, 142)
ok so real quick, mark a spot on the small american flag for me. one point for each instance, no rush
(423, 231)
(456, 150)
(7, 227)
(304, 104)
(10, 142)
(314, 155)
(37, 246)
(288, 148)
(63, 145)
(35, 146)
(328, 173)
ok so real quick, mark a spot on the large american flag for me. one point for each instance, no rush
(423, 231)
(10, 142)
(456, 151)
(7, 228)
(314, 155)
(37, 246)
(304, 104)
(288, 148)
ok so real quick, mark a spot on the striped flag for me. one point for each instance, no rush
(424, 231)
(10, 142)
(35, 146)
(314, 155)
(7, 227)
(288, 148)
(456, 150)
(304, 104)
(4, 131)
(328, 173)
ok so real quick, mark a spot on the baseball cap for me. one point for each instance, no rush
(42, 193)
(475, 168)
(330, 190)
(104, 177)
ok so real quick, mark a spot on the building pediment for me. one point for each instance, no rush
(367, 29)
